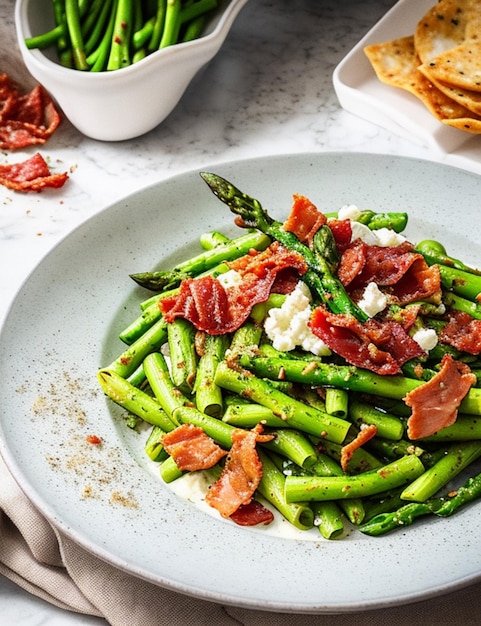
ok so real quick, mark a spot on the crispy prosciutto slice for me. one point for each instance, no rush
(218, 310)
(435, 403)
(366, 432)
(252, 514)
(191, 448)
(304, 219)
(382, 347)
(241, 475)
(25, 120)
(462, 332)
(403, 273)
(30, 175)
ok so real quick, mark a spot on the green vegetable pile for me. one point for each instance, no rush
(98, 35)
(391, 480)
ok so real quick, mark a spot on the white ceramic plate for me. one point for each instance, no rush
(360, 91)
(63, 325)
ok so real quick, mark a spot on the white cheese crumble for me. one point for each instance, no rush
(349, 212)
(287, 327)
(373, 300)
(387, 237)
(383, 237)
(426, 338)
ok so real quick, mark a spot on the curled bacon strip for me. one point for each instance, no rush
(191, 448)
(25, 120)
(304, 219)
(462, 332)
(218, 310)
(241, 475)
(435, 403)
(30, 175)
(381, 347)
(366, 432)
(403, 274)
(252, 514)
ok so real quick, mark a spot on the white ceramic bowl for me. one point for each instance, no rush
(125, 103)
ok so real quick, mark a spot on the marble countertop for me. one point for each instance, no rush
(269, 91)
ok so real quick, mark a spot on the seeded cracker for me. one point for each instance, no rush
(459, 66)
(396, 63)
(440, 64)
(443, 27)
(466, 97)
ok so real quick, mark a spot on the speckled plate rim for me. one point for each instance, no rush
(62, 326)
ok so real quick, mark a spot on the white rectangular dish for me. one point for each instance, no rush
(360, 91)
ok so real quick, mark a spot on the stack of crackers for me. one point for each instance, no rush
(440, 63)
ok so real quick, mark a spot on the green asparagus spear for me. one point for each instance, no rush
(183, 358)
(347, 377)
(172, 24)
(158, 375)
(212, 239)
(463, 283)
(208, 395)
(127, 362)
(313, 488)
(388, 426)
(142, 36)
(434, 252)
(337, 402)
(293, 445)
(193, 10)
(46, 39)
(294, 413)
(326, 466)
(407, 514)
(395, 221)
(473, 307)
(457, 458)
(319, 277)
(153, 446)
(465, 428)
(158, 27)
(134, 400)
(168, 279)
(75, 34)
(272, 488)
(328, 518)
(248, 414)
(100, 25)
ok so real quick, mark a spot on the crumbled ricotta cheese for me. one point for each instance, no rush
(361, 231)
(287, 326)
(384, 237)
(349, 212)
(387, 237)
(426, 338)
(373, 300)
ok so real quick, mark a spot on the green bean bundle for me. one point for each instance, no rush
(98, 35)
